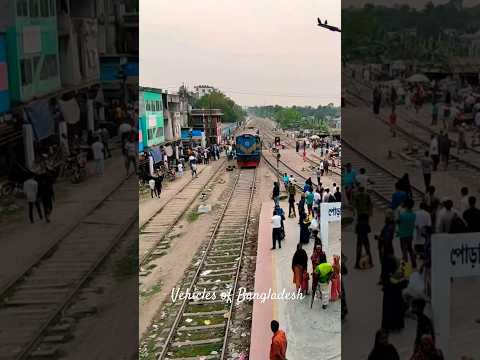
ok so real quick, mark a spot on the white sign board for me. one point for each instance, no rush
(453, 256)
(328, 212)
(152, 121)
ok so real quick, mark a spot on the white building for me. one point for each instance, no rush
(202, 90)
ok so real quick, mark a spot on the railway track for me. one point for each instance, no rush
(41, 295)
(467, 166)
(201, 326)
(312, 162)
(154, 232)
(383, 179)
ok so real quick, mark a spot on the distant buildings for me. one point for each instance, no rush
(84, 54)
(210, 120)
(202, 90)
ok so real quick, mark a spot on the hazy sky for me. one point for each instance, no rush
(412, 3)
(257, 51)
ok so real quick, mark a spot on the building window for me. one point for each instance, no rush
(34, 8)
(152, 134)
(26, 71)
(22, 8)
(52, 8)
(36, 61)
(44, 8)
(49, 68)
(158, 105)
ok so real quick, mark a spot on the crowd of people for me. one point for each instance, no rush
(405, 277)
(325, 279)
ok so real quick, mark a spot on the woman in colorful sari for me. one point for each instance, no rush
(299, 266)
(335, 291)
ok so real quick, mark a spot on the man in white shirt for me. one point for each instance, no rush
(326, 195)
(151, 184)
(423, 227)
(464, 205)
(30, 189)
(362, 179)
(180, 169)
(98, 156)
(445, 216)
(276, 231)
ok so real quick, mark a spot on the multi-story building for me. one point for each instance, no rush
(210, 121)
(174, 117)
(118, 36)
(32, 47)
(4, 92)
(151, 120)
(78, 42)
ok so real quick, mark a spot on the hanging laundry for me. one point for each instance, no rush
(41, 118)
(70, 110)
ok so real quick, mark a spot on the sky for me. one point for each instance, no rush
(264, 52)
(413, 3)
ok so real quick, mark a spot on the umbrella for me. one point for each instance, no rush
(314, 137)
(418, 78)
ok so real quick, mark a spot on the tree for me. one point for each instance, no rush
(217, 100)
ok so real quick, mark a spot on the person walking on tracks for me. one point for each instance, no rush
(46, 195)
(193, 165)
(278, 348)
(30, 189)
(158, 183)
(130, 154)
(151, 185)
(98, 151)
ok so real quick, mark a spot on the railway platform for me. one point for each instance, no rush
(312, 333)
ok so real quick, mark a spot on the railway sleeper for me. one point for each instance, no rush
(197, 342)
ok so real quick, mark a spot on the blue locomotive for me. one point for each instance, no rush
(248, 146)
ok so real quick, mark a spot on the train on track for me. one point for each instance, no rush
(248, 146)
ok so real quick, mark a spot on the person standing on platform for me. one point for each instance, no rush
(276, 193)
(299, 267)
(304, 223)
(301, 204)
(276, 231)
(309, 197)
(278, 348)
(291, 200)
(362, 230)
(406, 228)
(324, 272)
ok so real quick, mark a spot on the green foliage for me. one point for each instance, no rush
(298, 117)
(217, 100)
(374, 32)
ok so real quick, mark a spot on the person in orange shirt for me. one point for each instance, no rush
(278, 349)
